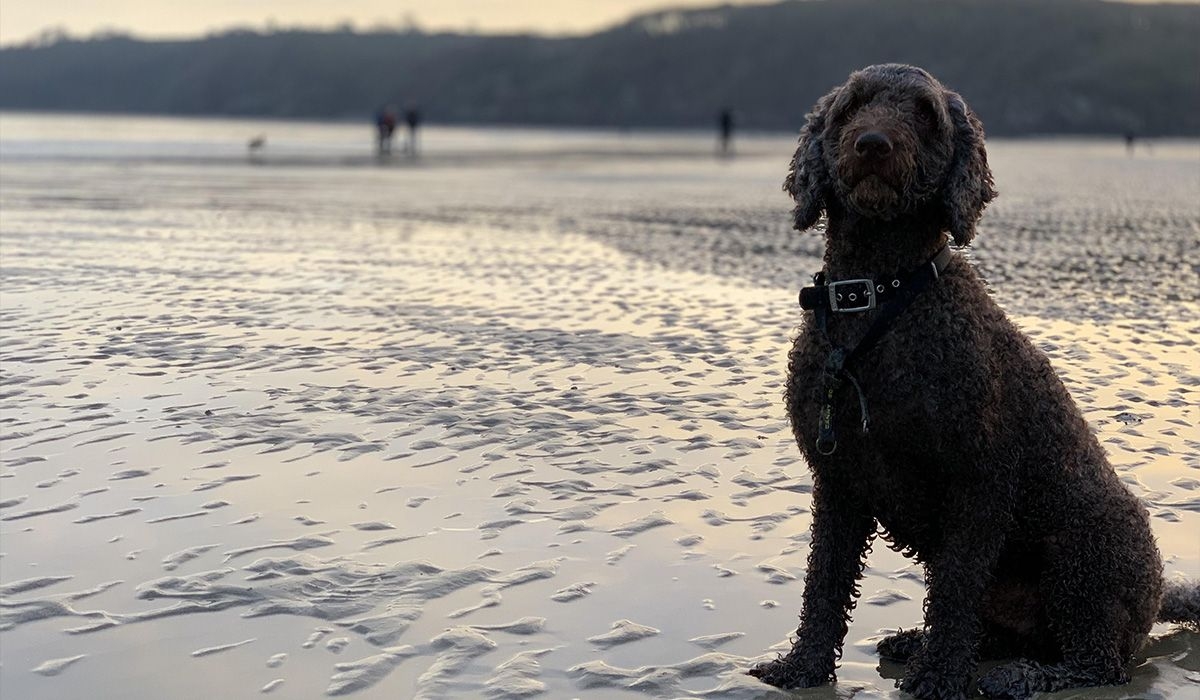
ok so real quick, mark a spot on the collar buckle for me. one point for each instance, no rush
(850, 296)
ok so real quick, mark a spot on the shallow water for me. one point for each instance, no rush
(500, 424)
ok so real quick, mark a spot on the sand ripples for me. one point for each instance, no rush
(492, 432)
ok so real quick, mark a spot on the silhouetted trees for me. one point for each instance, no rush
(1027, 66)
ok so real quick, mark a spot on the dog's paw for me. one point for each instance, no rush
(926, 683)
(1016, 680)
(788, 673)
(901, 646)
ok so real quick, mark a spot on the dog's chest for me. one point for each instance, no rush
(892, 388)
(890, 466)
(906, 497)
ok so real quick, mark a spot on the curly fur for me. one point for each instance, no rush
(978, 464)
(1181, 604)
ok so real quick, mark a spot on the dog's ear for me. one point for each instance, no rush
(969, 186)
(807, 177)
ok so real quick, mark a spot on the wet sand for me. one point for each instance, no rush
(499, 430)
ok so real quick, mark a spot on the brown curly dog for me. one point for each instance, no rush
(948, 432)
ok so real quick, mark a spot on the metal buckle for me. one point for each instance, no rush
(848, 296)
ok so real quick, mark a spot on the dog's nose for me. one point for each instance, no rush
(874, 144)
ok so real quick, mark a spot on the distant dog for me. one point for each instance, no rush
(924, 412)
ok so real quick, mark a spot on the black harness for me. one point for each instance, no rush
(891, 297)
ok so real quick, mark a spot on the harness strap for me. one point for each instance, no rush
(916, 283)
(839, 364)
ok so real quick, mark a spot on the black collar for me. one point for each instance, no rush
(862, 294)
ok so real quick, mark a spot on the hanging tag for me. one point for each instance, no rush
(826, 435)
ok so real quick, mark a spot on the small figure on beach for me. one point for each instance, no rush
(412, 117)
(1130, 140)
(385, 125)
(725, 131)
(254, 147)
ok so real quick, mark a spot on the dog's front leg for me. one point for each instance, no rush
(974, 524)
(841, 533)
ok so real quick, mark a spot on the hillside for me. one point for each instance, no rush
(1027, 66)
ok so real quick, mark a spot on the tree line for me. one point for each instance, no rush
(1026, 66)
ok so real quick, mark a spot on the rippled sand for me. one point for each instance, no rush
(499, 430)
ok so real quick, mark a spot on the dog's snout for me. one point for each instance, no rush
(873, 144)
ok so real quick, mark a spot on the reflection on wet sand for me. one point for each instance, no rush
(498, 431)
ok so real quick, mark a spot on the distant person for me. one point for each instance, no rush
(1129, 142)
(412, 117)
(254, 147)
(725, 130)
(385, 125)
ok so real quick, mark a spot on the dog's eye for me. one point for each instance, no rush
(847, 109)
(926, 113)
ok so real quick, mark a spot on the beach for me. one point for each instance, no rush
(502, 422)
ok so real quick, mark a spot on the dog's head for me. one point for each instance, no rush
(888, 142)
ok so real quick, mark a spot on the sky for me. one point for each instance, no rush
(22, 19)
